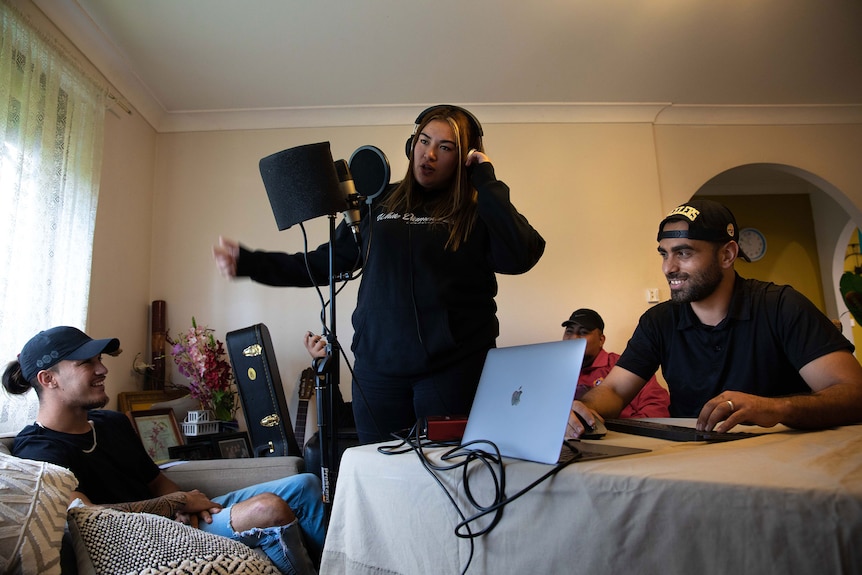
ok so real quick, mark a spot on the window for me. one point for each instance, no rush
(51, 129)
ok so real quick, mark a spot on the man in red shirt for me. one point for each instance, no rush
(651, 401)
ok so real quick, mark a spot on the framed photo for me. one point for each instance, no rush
(230, 445)
(142, 400)
(233, 445)
(158, 431)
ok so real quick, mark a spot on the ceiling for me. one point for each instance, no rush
(175, 60)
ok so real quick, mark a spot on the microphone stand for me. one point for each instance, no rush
(309, 174)
(327, 379)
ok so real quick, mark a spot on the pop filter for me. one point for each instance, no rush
(371, 172)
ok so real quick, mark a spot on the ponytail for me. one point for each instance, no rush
(13, 380)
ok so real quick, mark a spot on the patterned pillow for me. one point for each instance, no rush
(33, 500)
(110, 541)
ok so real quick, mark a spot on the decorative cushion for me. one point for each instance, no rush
(110, 541)
(33, 500)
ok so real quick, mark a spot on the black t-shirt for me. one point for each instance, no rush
(117, 471)
(769, 334)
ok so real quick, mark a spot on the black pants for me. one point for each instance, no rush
(382, 405)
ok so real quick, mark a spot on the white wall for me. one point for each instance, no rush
(592, 190)
(690, 155)
(120, 283)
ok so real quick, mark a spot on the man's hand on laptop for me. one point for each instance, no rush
(578, 417)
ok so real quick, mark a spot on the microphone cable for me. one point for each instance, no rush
(462, 456)
(324, 303)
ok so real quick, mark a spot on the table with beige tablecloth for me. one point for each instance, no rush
(784, 502)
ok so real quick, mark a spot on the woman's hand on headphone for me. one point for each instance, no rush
(474, 156)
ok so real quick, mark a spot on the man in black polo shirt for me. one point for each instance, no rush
(732, 350)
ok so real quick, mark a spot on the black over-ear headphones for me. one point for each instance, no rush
(441, 108)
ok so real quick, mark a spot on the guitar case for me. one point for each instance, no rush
(259, 383)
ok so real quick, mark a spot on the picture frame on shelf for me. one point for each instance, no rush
(158, 431)
(226, 445)
(234, 445)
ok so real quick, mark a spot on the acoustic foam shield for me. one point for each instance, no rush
(301, 184)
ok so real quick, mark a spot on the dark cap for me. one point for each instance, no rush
(707, 220)
(586, 318)
(51, 346)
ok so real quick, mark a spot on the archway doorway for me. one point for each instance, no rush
(807, 223)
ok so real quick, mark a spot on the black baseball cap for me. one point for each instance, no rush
(49, 347)
(707, 220)
(586, 318)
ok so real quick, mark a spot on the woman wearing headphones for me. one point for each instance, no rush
(425, 314)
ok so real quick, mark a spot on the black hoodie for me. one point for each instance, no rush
(420, 307)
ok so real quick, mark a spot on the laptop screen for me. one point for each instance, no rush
(524, 399)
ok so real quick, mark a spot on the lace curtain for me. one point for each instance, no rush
(51, 121)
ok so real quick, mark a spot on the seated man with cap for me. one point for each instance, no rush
(64, 366)
(651, 401)
(732, 350)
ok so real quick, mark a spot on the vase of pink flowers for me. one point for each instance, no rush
(201, 358)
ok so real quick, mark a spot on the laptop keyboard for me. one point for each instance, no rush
(568, 452)
(671, 432)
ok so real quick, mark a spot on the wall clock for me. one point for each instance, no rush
(753, 243)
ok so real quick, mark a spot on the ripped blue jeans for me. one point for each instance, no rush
(285, 545)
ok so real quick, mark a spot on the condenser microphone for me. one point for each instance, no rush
(351, 212)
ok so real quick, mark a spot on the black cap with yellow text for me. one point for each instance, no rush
(707, 220)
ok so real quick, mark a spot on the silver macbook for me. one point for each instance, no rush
(524, 399)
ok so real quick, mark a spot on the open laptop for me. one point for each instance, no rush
(524, 398)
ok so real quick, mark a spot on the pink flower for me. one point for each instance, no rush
(201, 358)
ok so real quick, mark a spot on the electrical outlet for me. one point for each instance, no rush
(652, 295)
